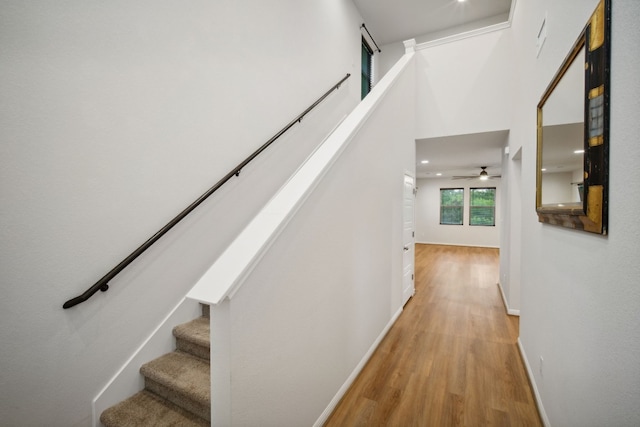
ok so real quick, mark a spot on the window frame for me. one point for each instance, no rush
(471, 206)
(366, 73)
(460, 207)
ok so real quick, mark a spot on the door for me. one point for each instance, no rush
(408, 238)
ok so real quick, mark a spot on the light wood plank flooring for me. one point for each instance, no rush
(451, 359)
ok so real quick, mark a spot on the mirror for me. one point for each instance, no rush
(573, 125)
(563, 139)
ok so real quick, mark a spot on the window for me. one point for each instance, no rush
(367, 62)
(451, 206)
(482, 206)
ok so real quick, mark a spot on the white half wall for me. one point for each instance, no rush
(428, 227)
(330, 283)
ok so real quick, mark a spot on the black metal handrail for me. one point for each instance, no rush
(103, 284)
(370, 36)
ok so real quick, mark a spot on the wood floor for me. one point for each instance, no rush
(451, 359)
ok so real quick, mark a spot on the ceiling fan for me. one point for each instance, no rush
(483, 176)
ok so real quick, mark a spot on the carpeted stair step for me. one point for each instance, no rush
(181, 378)
(193, 337)
(177, 385)
(147, 409)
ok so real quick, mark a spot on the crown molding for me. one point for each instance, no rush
(473, 33)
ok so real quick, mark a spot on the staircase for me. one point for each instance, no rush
(176, 385)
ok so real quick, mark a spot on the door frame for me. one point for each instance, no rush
(406, 297)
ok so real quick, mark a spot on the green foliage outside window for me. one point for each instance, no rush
(451, 206)
(482, 206)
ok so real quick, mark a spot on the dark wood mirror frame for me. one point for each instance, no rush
(592, 216)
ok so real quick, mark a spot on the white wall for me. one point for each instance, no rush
(464, 87)
(428, 227)
(511, 234)
(330, 283)
(580, 294)
(114, 117)
(390, 54)
(557, 188)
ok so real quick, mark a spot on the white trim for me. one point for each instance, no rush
(409, 45)
(229, 271)
(510, 311)
(411, 174)
(345, 387)
(534, 386)
(220, 376)
(461, 36)
(457, 244)
(472, 33)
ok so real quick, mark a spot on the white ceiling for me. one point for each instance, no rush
(399, 20)
(460, 155)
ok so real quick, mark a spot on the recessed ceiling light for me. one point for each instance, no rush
(424, 162)
(579, 151)
(543, 169)
(438, 174)
(461, 1)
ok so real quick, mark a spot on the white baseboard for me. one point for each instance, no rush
(128, 380)
(458, 244)
(336, 399)
(534, 386)
(510, 311)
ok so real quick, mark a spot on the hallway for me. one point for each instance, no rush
(451, 358)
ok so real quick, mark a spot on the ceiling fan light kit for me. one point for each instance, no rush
(483, 176)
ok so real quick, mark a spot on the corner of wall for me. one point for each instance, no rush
(510, 311)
